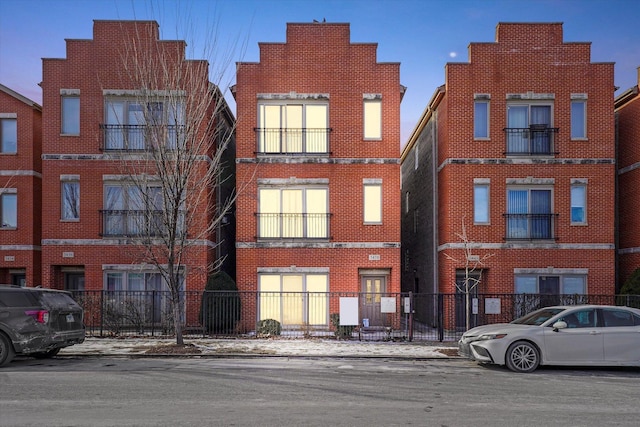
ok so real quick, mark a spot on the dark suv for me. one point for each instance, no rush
(37, 322)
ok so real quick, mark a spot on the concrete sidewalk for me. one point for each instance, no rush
(204, 347)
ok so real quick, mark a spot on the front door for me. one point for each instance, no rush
(74, 281)
(549, 290)
(373, 288)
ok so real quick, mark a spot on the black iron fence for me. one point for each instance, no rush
(388, 316)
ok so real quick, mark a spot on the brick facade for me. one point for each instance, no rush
(20, 175)
(318, 67)
(526, 82)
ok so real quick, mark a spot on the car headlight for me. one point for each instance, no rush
(491, 336)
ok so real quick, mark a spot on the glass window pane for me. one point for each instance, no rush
(269, 286)
(9, 210)
(373, 203)
(71, 115)
(481, 204)
(578, 204)
(316, 129)
(573, 286)
(578, 122)
(373, 119)
(8, 135)
(70, 200)
(481, 119)
(526, 285)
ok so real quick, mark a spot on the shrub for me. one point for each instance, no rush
(220, 309)
(341, 332)
(268, 327)
(630, 292)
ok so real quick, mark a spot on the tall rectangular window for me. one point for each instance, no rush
(481, 119)
(294, 298)
(70, 200)
(293, 128)
(8, 135)
(9, 210)
(70, 115)
(481, 203)
(293, 212)
(529, 214)
(373, 203)
(529, 129)
(578, 119)
(373, 119)
(578, 204)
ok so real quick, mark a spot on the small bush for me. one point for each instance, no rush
(269, 327)
(341, 332)
(220, 309)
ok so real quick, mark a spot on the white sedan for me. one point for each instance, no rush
(593, 335)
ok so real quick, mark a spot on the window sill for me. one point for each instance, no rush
(8, 228)
(485, 139)
(69, 134)
(13, 153)
(580, 139)
(70, 220)
(579, 224)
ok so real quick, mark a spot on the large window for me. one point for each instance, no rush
(529, 214)
(293, 128)
(131, 210)
(481, 203)
(578, 119)
(8, 135)
(71, 115)
(578, 203)
(373, 119)
(9, 209)
(294, 299)
(70, 200)
(550, 285)
(481, 119)
(141, 125)
(372, 205)
(529, 130)
(293, 212)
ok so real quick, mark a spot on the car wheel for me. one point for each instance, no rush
(46, 354)
(522, 356)
(6, 350)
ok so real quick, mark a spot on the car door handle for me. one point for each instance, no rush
(594, 333)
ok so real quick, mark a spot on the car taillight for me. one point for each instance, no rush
(40, 316)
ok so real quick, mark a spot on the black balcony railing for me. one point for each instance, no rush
(530, 226)
(293, 141)
(293, 226)
(141, 137)
(536, 140)
(128, 223)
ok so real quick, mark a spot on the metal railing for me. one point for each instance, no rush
(293, 226)
(536, 140)
(537, 226)
(134, 223)
(292, 141)
(401, 316)
(141, 137)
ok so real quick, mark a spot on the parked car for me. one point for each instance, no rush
(584, 335)
(37, 322)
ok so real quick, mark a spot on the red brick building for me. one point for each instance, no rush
(101, 124)
(627, 107)
(20, 188)
(317, 177)
(517, 152)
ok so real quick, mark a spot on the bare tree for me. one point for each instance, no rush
(473, 265)
(171, 150)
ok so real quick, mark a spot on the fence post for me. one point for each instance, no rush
(440, 317)
(101, 311)
(410, 316)
(153, 313)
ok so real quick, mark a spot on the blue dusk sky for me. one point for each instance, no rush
(423, 35)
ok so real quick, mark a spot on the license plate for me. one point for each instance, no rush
(69, 318)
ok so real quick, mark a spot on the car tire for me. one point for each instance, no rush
(46, 354)
(523, 357)
(7, 353)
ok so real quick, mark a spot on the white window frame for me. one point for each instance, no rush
(5, 194)
(372, 201)
(481, 212)
(481, 99)
(307, 304)
(372, 117)
(575, 203)
(578, 130)
(70, 202)
(8, 133)
(70, 112)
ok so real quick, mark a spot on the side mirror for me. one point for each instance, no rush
(559, 325)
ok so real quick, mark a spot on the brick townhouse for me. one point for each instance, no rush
(627, 107)
(20, 188)
(317, 175)
(97, 136)
(514, 160)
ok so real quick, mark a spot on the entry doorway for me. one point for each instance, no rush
(74, 281)
(373, 288)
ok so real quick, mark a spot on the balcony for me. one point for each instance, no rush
(539, 226)
(274, 226)
(138, 138)
(128, 223)
(536, 140)
(289, 141)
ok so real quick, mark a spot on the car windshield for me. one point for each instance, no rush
(538, 317)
